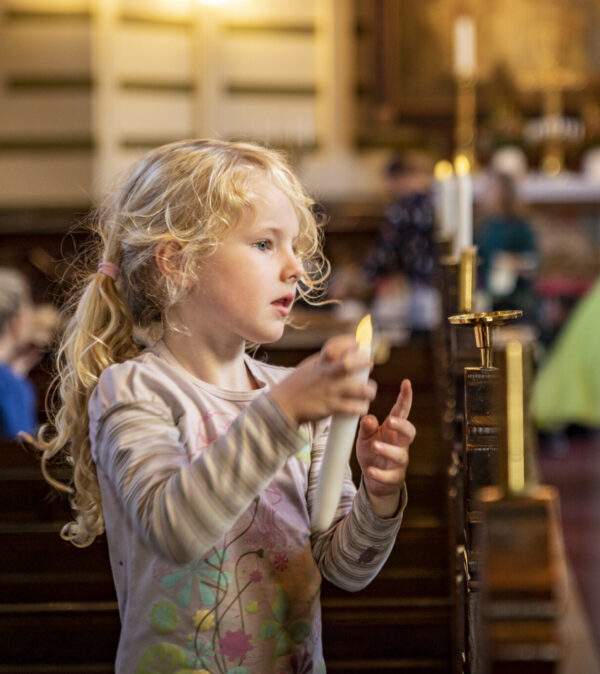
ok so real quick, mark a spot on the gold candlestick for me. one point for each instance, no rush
(466, 117)
(466, 281)
(515, 437)
(482, 322)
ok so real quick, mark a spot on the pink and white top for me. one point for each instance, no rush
(207, 497)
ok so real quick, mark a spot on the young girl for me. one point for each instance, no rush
(201, 462)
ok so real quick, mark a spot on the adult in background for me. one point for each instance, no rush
(18, 402)
(507, 249)
(402, 262)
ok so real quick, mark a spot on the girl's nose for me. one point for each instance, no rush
(293, 269)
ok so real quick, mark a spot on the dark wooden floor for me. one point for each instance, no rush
(576, 473)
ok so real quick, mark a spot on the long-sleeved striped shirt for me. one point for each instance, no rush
(207, 496)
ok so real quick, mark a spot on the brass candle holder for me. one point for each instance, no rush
(484, 322)
(479, 424)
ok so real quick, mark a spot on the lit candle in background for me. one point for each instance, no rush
(444, 176)
(339, 445)
(464, 46)
(464, 230)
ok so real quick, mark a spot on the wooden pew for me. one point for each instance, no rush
(58, 610)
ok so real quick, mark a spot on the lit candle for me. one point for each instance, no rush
(464, 46)
(464, 230)
(444, 176)
(339, 445)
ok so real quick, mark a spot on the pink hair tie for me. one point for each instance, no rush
(109, 269)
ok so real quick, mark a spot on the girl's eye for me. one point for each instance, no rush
(262, 245)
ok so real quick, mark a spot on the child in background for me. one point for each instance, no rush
(201, 462)
(18, 400)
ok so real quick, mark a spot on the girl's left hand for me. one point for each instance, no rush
(382, 452)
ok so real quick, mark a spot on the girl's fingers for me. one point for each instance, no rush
(399, 455)
(388, 477)
(338, 347)
(361, 390)
(403, 428)
(343, 354)
(403, 403)
(351, 408)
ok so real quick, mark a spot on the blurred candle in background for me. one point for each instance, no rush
(464, 46)
(445, 198)
(464, 186)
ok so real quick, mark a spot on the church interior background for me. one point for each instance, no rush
(343, 86)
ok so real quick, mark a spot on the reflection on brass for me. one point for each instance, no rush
(468, 260)
(482, 324)
(514, 417)
(466, 117)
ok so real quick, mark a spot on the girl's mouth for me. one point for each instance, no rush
(284, 304)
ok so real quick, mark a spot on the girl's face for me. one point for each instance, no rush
(246, 288)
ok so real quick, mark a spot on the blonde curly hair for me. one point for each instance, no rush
(192, 192)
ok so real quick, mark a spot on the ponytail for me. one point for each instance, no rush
(98, 333)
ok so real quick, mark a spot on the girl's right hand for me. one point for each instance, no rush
(326, 383)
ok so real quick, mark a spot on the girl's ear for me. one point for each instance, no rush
(168, 261)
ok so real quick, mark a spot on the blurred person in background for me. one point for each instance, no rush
(507, 249)
(566, 390)
(400, 267)
(18, 400)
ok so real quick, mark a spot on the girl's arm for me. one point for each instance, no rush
(183, 508)
(353, 550)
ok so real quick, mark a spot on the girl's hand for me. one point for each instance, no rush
(382, 452)
(326, 383)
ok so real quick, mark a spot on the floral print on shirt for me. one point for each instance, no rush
(218, 590)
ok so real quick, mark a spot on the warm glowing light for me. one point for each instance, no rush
(443, 170)
(364, 333)
(462, 166)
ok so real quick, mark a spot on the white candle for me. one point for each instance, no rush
(464, 230)
(464, 46)
(339, 445)
(444, 176)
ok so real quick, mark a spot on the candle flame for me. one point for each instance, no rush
(462, 166)
(443, 170)
(364, 333)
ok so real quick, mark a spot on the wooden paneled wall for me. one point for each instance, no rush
(86, 85)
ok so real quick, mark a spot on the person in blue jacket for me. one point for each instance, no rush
(18, 402)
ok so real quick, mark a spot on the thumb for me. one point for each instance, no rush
(368, 427)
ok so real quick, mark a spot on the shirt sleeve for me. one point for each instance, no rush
(181, 508)
(353, 550)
